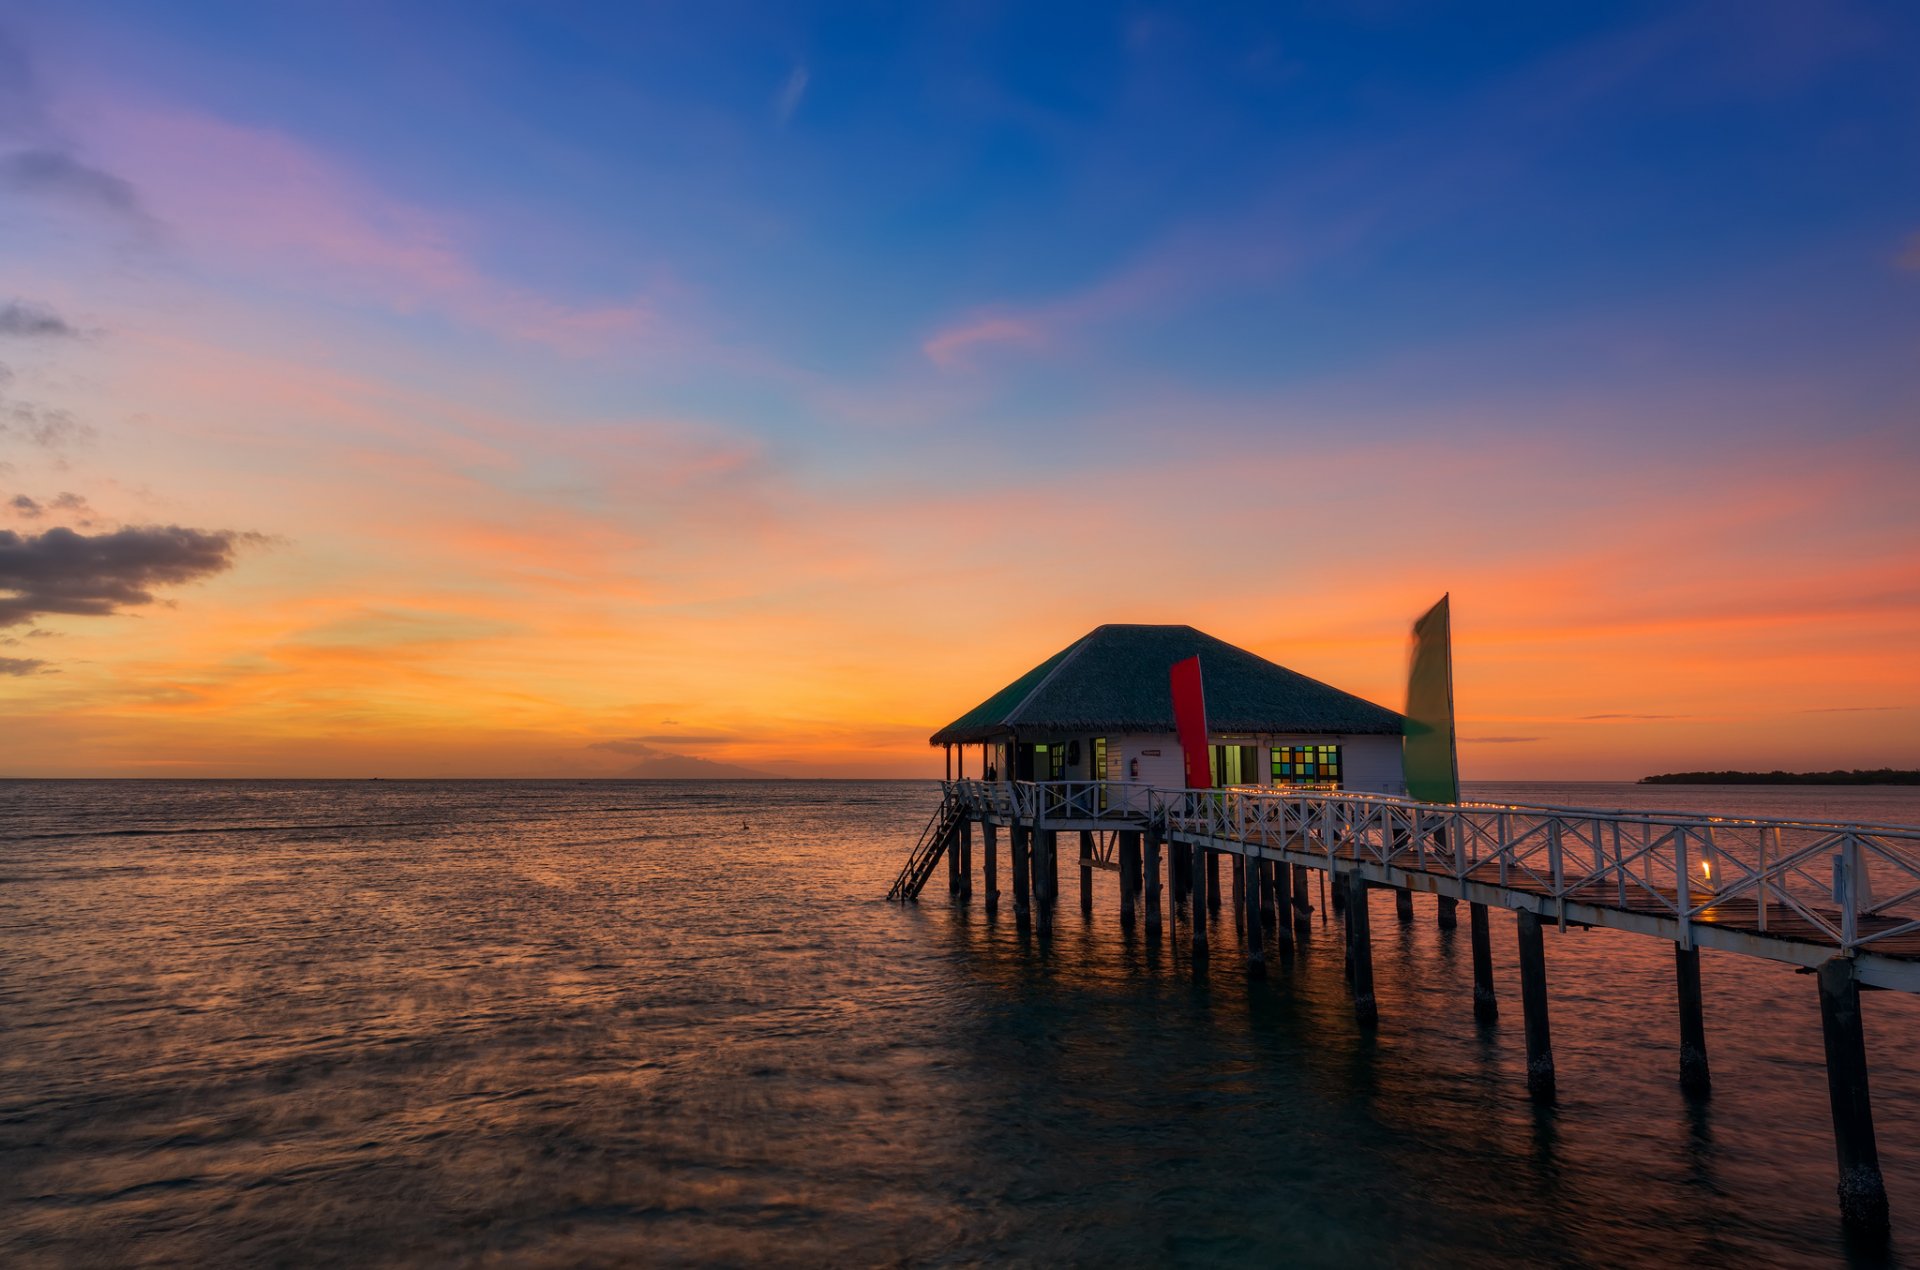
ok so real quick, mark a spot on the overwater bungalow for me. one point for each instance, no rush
(1101, 709)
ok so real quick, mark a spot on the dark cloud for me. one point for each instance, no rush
(44, 426)
(96, 575)
(20, 317)
(52, 173)
(20, 665)
(75, 507)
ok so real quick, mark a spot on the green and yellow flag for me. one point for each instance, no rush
(1432, 764)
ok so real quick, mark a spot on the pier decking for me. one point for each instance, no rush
(1839, 899)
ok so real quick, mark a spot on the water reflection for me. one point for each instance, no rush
(552, 1025)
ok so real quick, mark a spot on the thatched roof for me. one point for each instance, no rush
(1114, 680)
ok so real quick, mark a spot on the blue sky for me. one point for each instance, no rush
(1468, 290)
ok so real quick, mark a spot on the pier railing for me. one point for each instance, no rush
(1852, 886)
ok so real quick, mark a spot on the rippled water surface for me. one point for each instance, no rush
(547, 1023)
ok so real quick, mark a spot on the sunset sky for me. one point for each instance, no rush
(472, 389)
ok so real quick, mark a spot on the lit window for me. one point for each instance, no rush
(1306, 765)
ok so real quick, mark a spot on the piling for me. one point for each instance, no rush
(1022, 851)
(1533, 1000)
(1046, 876)
(1238, 886)
(1302, 900)
(1199, 895)
(1360, 949)
(1130, 887)
(953, 863)
(1694, 1077)
(966, 862)
(1153, 883)
(1283, 902)
(1086, 873)
(1213, 880)
(1267, 868)
(1403, 903)
(1863, 1192)
(1486, 1006)
(1448, 912)
(1053, 866)
(1256, 944)
(990, 875)
(1339, 901)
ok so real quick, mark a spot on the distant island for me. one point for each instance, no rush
(1858, 776)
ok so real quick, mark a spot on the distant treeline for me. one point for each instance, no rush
(1877, 776)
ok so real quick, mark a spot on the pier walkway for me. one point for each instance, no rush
(1840, 900)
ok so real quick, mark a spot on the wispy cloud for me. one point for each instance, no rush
(59, 174)
(792, 91)
(20, 665)
(1597, 717)
(1852, 709)
(1909, 257)
(26, 320)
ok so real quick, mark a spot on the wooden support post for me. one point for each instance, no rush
(1403, 903)
(1360, 949)
(1486, 1006)
(1046, 877)
(1179, 867)
(1213, 880)
(1533, 1001)
(990, 874)
(1256, 939)
(1086, 872)
(966, 861)
(1022, 850)
(1267, 868)
(1302, 900)
(1339, 899)
(1448, 912)
(953, 857)
(1239, 888)
(1199, 893)
(1129, 853)
(1283, 902)
(1863, 1192)
(1694, 1076)
(1153, 883)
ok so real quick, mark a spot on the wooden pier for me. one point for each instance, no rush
(1841, 901)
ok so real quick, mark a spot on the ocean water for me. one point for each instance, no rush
(547, 1023)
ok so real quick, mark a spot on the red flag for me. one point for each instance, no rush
(1190, 720)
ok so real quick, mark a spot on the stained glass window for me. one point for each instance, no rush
(1306, 765)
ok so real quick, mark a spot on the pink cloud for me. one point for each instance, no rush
(950, 347)
(1186, 264)
(266, 206)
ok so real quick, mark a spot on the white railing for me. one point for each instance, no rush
(1855, 886)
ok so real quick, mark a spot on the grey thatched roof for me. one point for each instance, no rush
(1114, 680)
